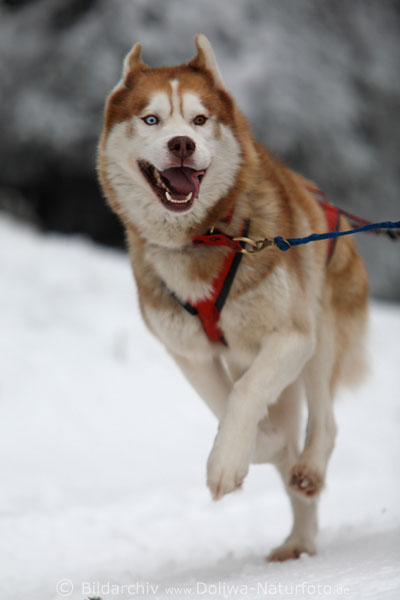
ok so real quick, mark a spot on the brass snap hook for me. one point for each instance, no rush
(256, 245)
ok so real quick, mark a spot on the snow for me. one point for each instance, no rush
(103, 448)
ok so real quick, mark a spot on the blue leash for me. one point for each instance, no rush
(285, 244)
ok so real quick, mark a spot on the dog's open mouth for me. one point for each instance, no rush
(176, 187)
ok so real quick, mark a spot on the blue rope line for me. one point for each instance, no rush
(285, 244)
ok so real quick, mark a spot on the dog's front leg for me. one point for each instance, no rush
(210, 380)
(279, 362)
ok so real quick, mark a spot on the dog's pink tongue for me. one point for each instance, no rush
(183, 180)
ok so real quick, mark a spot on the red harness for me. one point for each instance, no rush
(332, 216)
(209, 309)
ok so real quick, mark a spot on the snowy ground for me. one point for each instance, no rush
(103, 451)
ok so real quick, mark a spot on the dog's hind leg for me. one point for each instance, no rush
(308, 474)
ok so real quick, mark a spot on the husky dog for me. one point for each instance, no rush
(178, 163)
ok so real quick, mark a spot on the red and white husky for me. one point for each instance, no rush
(177, 160)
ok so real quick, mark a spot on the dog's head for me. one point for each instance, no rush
(170, 150)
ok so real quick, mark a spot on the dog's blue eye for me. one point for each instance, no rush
(151, 120)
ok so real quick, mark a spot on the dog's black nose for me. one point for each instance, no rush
(181, 146)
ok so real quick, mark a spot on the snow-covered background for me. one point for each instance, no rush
(103, 449)
(103, 445)
(318, 80)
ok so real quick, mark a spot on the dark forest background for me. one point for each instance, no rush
(318, 79)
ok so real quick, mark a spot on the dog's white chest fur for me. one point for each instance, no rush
(182, 333)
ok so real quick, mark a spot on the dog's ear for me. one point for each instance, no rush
(205, 59)
(133, 60)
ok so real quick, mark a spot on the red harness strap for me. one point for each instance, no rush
(209, 309)
(332, 215)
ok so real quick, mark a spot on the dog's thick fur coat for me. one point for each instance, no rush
(294, 325)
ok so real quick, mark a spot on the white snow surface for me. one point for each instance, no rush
(104, 446)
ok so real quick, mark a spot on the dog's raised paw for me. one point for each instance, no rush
(223, 480)
(222, 486)
(306, 481)
(224, 473)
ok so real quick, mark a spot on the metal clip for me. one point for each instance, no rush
(256, 245)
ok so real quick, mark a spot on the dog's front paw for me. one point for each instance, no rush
(292, 549)
(306, 480)
(226, 468)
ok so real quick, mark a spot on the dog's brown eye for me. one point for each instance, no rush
(199, 120)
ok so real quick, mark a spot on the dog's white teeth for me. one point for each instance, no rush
(158, 179)
(175, 201)
(157, 175)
